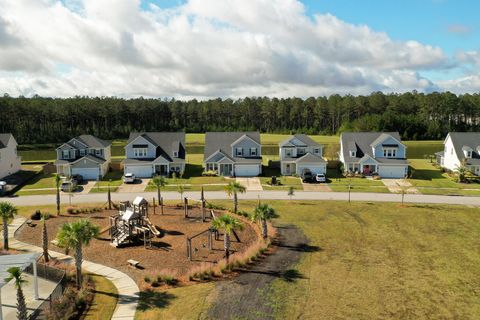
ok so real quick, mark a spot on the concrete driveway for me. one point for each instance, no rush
(138, 186)
(252, 184)
(318, 187)
(86, 187)
(396, 186)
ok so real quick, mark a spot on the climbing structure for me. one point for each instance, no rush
(131, 224)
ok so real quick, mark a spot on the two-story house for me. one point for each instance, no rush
(85, 155)
(10, 162)
(299, 152)
(155, 153)
(461, 148)
(233, 153)
(374, 152)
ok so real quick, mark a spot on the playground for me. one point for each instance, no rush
(176, 240)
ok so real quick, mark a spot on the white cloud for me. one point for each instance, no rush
(204, 48)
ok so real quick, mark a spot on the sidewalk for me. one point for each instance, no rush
(128, 291)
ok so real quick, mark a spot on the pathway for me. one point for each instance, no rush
(85, 188)
(397, 185)
(252, 184)
(128, 291)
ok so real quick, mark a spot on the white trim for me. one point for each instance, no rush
(374, 146)
(140, 136)
(243, 137)
(215, 153)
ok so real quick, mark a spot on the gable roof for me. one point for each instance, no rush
(302, 137)
(362, 142)
(466, 139)
(310, 158)
(222, 141)
(89, 141)
(166, 143)
(4, 139)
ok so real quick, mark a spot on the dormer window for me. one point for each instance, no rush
(353, 154)
(175, 154)
(468, 154)
(239, 152)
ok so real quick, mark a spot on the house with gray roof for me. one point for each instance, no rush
(85, 155)
(233, 153)
(461, 147)
(10, 162)
(299, 152)
(368, 153)
(155, 153)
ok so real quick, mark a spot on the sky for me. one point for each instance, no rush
(204, 49)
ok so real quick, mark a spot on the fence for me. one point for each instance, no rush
(52, 274)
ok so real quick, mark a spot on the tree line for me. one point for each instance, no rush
(417, 116)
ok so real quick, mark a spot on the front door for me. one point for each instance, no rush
(161, 169)
(226, 169)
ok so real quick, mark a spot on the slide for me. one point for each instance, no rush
(104, 230)
(152, 228)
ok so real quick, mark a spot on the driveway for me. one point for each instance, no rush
(318, 187)
(137, 187)
(252, 184)
(86, 187)
(396, 186)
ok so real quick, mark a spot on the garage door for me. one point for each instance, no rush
(313, 168)
(87, 173)
(247, 170)
(392, 171)
(139, 171)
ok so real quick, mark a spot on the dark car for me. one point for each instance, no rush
(307, 176)
(78, 178)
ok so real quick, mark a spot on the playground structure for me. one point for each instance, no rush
(132, 224)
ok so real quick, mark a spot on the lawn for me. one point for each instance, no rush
(104, 301)
(287, 182)
(338, 183)
(44, 181)
(112, 178)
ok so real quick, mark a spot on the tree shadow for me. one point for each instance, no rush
(301, 247)
(291, 275)
(192, 170)
(173, 232)
(151, 300)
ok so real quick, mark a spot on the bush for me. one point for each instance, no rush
(210, 173)
(37, 215)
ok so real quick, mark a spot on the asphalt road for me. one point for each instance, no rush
(252, 195)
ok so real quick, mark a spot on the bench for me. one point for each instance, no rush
(133, 263)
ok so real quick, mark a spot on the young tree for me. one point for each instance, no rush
(58, 182)
(74, 235)
(159, 182)
(45, 240)
(228, 224)
(233, 188)
(16, 276)
(7, 211)
(263, 213)
(291, 192)
(181, 190)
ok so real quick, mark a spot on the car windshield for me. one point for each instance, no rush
(128, 175)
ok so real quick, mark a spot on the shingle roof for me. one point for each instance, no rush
(302, 137)
(215, 141)
(309, 158)
(4, 138)
(466, 139)
(93, 142)
(363, 142)
(166, 143)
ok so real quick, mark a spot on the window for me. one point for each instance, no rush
(82, 152)
(353, 154)
(212, 166)
(98, 152)
(316, 150)
(239, 152)
(288, 152)
(175, 154)
(140, 152)
(66, 154)
(253, 151)
(389, 153)
(301, 151)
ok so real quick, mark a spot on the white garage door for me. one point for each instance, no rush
(313, 168)
(392, 171)
(139, 171)
(87, 173)
(243, 170)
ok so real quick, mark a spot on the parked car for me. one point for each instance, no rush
(69, 185)
(129, 178)
(78, 178)
(307, 175)
(320, 177)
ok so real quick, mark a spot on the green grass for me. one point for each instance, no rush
(286, 181)
(338, 183)
(40, 181)
(104, 301)
(112, 178)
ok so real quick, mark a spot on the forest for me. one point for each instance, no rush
(417, 116)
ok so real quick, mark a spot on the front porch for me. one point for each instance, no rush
(288, 168)
(362, 168)
(222, 169)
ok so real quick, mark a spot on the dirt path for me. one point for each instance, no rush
(246, 297)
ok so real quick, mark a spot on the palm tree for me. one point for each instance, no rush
(228, 224)
(16, 275)
(74, 235)
(58, 181)
(233, 188)
(263, 213)
(7, 211)
(159, 182)
(45, 240)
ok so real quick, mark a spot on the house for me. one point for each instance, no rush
(85, 155)
(233, 153)
(10, 162)
(367, 153)
(299, 152)
(155, 153)
(461, 147)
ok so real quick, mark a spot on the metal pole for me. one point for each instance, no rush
(35, 278)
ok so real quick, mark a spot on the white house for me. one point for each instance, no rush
(85, 155)
(10, 162)
(233, 153)
(155, 153)
(299, 152)
(461, 147)
(368, 153)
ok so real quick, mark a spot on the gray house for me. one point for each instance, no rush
(233, 153)
(374, 152)
(155, 153)
(85, 155)
(299, 152)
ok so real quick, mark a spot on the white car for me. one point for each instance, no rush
(129, 178)
(320, 177)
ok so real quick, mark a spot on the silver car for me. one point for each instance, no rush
(320, 177)
(129, 178)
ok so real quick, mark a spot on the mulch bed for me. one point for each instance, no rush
(167, 252)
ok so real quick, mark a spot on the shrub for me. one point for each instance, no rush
(37, 215)
(147, 279)
(70, 210)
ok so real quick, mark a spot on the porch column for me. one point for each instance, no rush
(35, 278)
